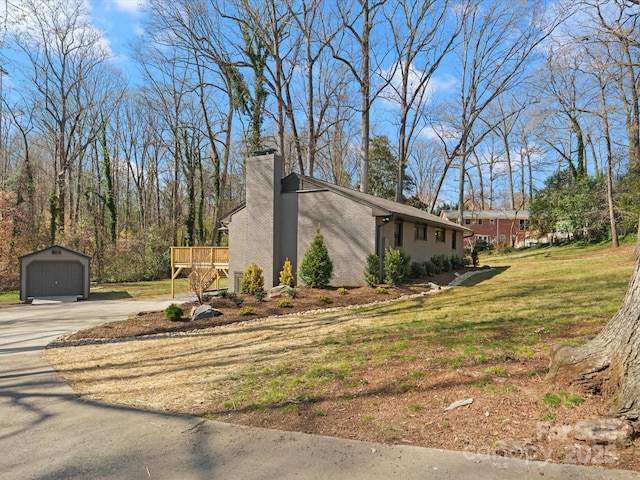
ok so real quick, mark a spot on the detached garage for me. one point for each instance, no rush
(54, 272)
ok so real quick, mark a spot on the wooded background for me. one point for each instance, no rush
(468, 104)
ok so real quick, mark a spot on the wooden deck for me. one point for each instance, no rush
(207, 265)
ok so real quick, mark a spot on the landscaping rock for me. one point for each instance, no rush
(603, 431)
(459, 403)
(277, 291)
(204, 311)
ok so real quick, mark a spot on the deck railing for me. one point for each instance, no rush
(211, 262)
(187, 256)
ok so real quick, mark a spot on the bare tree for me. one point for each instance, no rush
(496, 45)
(67, 77)
(421, 40)
(358, 20)
(619, 22)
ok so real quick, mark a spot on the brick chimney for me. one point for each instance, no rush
(264, 211)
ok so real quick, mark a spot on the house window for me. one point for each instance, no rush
(440, 237)
(479, 221)
(492, 221)
(397, 233)
(467, 221)
(524, 224)
(421, 232)
(454, 239)
(503, 238)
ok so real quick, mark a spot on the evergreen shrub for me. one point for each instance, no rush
(252, 280)
(396, 266)
(173, 312)
(372, 270)
(316, 268)
(286, 274)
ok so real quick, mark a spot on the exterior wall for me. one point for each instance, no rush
(422, 250)
(45, 262)
(237, 247)
(348, 229)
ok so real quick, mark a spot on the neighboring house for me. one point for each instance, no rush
(498, 227)
(56, 271)
(280, 217)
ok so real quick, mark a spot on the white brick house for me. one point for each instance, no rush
(280, 216)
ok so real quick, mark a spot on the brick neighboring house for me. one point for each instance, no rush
(499, 227)
(280, 216)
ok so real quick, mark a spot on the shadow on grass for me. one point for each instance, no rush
(482, 276)
(113, 295)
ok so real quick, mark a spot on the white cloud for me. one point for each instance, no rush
(436, 86)
(128, 6)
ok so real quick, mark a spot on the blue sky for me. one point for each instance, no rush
(119, 20)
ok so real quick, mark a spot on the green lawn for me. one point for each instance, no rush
(530, 300)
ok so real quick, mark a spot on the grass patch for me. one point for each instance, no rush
(9, 297)
(465, 327)
(142, 290)
(569, 400)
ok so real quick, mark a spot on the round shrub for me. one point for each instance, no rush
(429, 268)
(173, 312)
(285, 303)
(417, 270)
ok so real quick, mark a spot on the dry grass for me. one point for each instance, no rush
(385, 373)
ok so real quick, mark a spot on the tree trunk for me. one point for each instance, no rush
(610, 363)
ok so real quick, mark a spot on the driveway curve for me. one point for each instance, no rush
(47, 432)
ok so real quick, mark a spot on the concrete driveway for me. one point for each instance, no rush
(46, 432)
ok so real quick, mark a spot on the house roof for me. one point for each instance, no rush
(381, 206)
(509, 214)
(51, 248)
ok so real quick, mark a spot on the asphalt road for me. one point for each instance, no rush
(46, 432)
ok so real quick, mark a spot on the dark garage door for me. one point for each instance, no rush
(54, 279)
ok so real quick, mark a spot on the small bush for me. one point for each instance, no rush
(292, 292)
(233, 296)
(173, 312)
(252, 280)
(285, 303)
(382, 290)
(429, 268)
(342, 291)
(457, 261)
(316, 268)
(396, 266)
(246, 310)
(286, 274)
(324, 299)
(372, 270)
(417, 270)
(442, 263)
